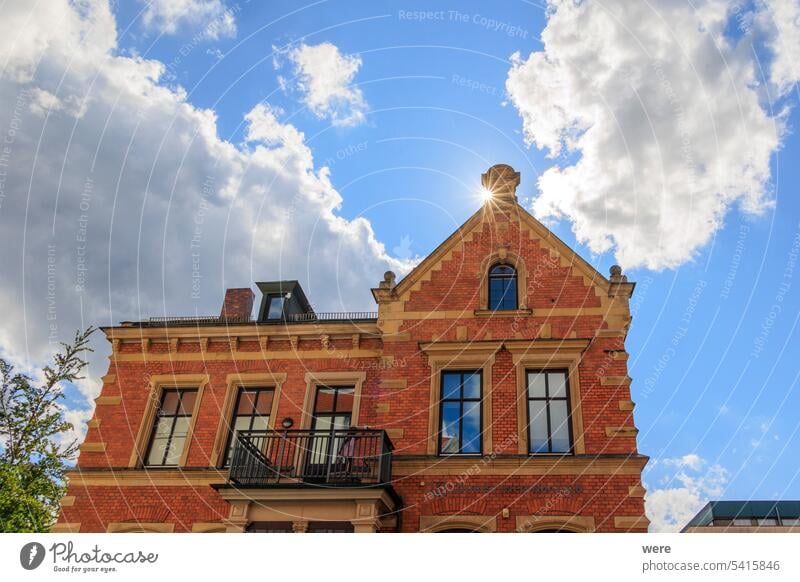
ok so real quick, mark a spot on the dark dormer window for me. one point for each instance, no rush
(283, 301)
(502, 287)
(275, 307)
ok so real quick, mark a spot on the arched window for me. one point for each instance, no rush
(502, 287)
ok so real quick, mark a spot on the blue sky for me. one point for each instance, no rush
(417, 77)
(714, 340)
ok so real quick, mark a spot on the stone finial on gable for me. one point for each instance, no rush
(616, 275)
(388, 280)
(619, 283)
(502, 181)
(385, 290)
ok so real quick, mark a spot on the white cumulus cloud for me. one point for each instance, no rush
(212, 18)
(659, 118)
(119, 201)
(691, 460)
(324, 77)
(678, 497)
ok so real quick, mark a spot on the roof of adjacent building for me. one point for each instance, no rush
(744, 510)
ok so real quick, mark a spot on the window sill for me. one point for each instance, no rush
(502, 312)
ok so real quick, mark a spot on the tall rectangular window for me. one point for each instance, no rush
(333, 407)
(549, 429)
(171, 427)
(333, 411)
(502, 288)
(460, 424)
(253, 406)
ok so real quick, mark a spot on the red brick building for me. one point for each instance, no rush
(489, 392)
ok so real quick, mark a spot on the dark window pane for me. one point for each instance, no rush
(187, 401)
(538, 428)
(461, 410)
(471, 428)
(503, 270)
(264, 404)
(502, 288)
(275, 310)
(450, 420)
(451, 386)
(330, 527)
(557, 384)
(247, 402)
(344, 400)
(170, 402)
(472, 385)
(325, 397)
(270, 527)
(171, 427)
(495, 294)
(252, 413)
(548, 406)
(559, 426)
(510, 295)
(536, 385)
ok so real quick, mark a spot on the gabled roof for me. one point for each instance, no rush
(475, 221)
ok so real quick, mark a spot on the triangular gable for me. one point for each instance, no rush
(476, 221)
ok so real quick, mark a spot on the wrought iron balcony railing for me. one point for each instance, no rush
(324, 457)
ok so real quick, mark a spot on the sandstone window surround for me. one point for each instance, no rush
(455, 356)
(445, 523)
(502, 287)
(503, 256)
(158, 383)
(549, 523)
(334, 379)
(233, 383)
(543, 355)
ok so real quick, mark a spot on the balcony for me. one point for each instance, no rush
(272, 458)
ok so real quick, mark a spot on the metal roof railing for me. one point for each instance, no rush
(311, 317)
(332, 316)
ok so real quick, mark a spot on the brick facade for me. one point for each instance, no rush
(436, 318)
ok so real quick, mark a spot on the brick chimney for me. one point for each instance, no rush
(238, 303)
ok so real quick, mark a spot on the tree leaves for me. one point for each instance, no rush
(32, 462)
